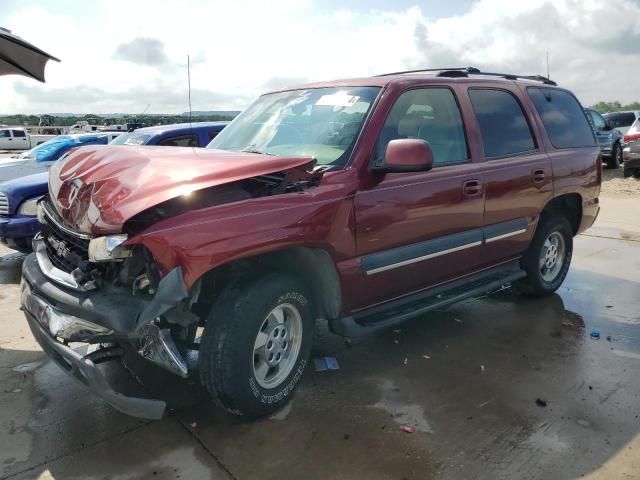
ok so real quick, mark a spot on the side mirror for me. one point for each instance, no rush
(608, 125)
(406, 155)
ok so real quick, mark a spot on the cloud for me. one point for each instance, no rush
(235, 56)
(143, 51)
(163, 98)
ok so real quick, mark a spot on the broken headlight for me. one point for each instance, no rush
(108, 248)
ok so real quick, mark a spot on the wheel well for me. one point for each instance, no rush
(313, 266)
(569, 205)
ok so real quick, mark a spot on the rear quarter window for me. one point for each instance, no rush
(563, 118)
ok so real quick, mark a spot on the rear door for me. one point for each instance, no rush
(518, 174)
(20, 140)
(414, 230)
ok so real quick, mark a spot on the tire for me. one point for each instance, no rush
(616, 157)
(545, 278)
(232, 369)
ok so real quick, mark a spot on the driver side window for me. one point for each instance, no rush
(429, 114)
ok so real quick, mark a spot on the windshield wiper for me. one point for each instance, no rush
(255, 150)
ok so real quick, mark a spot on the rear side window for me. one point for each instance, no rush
(181, 141)
(18, 133)
(213, 134)
(429, 114)
(503, 126)
(563, 118)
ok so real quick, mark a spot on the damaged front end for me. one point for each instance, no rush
(96, 285)
(114, 295)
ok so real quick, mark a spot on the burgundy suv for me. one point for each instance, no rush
(364, 202)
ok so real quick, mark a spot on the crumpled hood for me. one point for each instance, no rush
(97, 188)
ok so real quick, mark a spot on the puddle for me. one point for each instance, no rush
(402, 413)
(27, 367)
(547, 441)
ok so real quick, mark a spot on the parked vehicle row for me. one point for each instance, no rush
(16, 138)
(364, 202)
(18, 197)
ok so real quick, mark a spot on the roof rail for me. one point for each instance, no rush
(465, 71)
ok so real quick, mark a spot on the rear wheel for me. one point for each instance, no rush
(616, 156)
(256, 344)
(548, 257)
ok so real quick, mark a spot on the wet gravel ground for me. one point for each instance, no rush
(466, 378)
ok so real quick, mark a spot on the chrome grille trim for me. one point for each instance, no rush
(4, 204)
(53, 218)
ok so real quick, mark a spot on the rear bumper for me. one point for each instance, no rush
(87, 373)
(17, 232)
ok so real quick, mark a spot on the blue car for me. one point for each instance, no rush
(18, 197)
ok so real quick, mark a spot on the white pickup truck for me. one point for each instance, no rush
(16, 138)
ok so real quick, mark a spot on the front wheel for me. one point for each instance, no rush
(548, 257)
(256, 344)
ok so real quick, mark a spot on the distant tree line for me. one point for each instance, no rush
(65, 121)
(604, 107)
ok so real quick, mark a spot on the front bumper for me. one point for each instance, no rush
(17, 232)
(78, 366)
(104, 315)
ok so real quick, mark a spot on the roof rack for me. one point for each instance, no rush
(458, 72)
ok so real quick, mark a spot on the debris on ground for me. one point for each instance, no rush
(609, 306)
(396, 342)
(407, 429)
(482, 368)
(406, 360)
(540, 402)
(608, 338)
(595, 334)
(397, 331)
(567, 323)
(426, 357)
(326, 363)
(193, 424)
(458, 320)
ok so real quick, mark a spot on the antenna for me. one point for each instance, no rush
(189, 85)
(548, 78)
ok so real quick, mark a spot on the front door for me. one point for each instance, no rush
(20, 140)
(6, 141)
(414, 230)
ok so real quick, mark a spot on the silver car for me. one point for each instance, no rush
(631, 151)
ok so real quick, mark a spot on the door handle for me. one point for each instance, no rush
(538, 176)
(472, 188)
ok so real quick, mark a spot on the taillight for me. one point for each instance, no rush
(631, 138)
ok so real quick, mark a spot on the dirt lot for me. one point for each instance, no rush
(614, 185)
(467, 378)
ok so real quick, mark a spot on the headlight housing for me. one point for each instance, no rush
(108, 248)
(29, 208)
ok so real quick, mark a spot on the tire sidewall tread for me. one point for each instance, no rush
(228, 338)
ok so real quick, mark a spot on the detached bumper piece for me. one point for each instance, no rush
(80, 367)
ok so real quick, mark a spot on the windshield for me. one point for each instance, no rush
(620, 119)
(131, 138)
(321, 123)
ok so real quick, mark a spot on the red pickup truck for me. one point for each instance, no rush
(363, 202)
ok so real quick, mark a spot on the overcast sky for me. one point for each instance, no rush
(121, 56)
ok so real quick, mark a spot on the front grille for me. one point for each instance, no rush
(4, 204)
(65, 250)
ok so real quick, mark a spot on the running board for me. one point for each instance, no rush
(391, 314)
